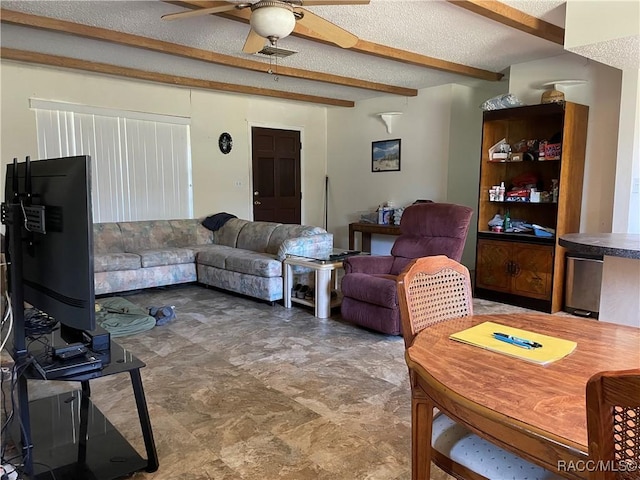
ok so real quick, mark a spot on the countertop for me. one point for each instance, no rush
(625, 245)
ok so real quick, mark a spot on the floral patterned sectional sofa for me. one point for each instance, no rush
(242, 256)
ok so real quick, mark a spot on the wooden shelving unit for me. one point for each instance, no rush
(522, 268)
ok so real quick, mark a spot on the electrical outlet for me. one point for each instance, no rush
(635, 186)
(238, 183)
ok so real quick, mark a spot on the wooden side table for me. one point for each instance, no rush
(367, 229)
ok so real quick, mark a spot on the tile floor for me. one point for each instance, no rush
(239, 389)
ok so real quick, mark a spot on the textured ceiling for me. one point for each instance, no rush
(433, 28)
(622, 53)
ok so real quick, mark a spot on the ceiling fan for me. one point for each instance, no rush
(276, 19)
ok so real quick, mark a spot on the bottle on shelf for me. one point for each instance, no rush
(506, 224)
(541, 149)
(501, 192)
(554, 190)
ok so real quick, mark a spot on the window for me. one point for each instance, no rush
(140, 163)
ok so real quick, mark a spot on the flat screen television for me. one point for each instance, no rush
(57, 265)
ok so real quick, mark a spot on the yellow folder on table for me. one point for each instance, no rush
(481, 335)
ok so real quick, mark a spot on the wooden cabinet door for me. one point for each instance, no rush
(532, 269)
(492, 266)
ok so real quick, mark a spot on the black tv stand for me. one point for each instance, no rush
(70, 437)
(53, 368)
(58, 354)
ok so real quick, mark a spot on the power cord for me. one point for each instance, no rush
(37, 322)
(8, 314)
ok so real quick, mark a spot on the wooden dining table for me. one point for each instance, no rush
(535, 411)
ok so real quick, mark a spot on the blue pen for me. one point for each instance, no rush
(519, 342)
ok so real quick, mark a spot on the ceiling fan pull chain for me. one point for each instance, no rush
(271, 71)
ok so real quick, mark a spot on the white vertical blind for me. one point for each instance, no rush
(140, 163)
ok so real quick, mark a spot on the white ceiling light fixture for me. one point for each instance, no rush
(272, 19)
(276, 19)
(388, 119)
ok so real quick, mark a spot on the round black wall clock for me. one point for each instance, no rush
(225, 142)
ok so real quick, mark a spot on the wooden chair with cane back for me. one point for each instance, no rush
(613, 425)
(432, 290)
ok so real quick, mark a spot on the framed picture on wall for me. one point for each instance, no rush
(385, 156)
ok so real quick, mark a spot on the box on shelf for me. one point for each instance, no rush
(499, 157)
(552, 151)
(385, 216)
(534, 196)
(500, 151)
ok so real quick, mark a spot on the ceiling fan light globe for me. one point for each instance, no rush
(271, 22)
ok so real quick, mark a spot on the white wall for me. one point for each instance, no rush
(439, 130)
(609, 32)
(353, 188)
(601, 93)
(215, 176)
(464, 153)
(212, 113)
(594, 22)
(626, 203)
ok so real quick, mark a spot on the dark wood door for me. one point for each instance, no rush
(276, 175)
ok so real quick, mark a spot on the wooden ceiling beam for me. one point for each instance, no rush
(137, 41)
(506, 15)
(411, 58)
(365, 47)
(108, 69)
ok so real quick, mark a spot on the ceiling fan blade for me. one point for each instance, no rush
(327, 30)
(253, 43)
(311, 3)
(220, 7)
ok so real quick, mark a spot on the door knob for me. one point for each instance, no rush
(257, 202)
(256, 193)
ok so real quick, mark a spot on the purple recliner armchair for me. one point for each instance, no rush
(369, 285)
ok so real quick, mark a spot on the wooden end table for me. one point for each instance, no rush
(367, 229)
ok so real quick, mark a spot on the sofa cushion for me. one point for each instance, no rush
(311, 246)
(214, 255)
(146, 235)
(107, 238)
(227, 235)
(255, 236)
(190, 232)
(287, 231)
(166, 256)
(254, 263)
(124, 280)
(240, 261)
(111, 262)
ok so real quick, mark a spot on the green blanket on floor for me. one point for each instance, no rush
(120, 317)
